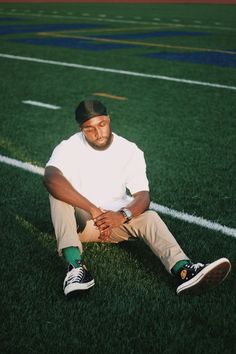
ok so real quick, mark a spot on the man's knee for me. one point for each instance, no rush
(145, 222)
(151, 216)
(59, 207)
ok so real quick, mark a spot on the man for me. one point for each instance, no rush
(87, 177)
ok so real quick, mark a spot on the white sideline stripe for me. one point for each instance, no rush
(198, 220)
(114, 71)
(23, 165)
(157, 207)
(40, 104)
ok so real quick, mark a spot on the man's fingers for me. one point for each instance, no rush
(100, 217)
(104, 238)
(100, 222)
(105, 230)
(102, 225)
(105, 234)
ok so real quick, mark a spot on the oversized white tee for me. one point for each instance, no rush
(104, 177)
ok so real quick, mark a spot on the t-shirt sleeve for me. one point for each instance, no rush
(136, 178)
(60, 159)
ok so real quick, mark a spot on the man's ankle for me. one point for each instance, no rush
(72, 255)
(179, 265)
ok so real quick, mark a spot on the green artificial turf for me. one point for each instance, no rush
(187, 132)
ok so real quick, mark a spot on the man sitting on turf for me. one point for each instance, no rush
(87, 177)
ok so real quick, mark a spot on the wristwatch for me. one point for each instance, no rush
(127, 214)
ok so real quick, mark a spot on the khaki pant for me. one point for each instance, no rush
(73, 226)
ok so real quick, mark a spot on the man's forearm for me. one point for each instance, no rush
(140, 203)
(60, 188)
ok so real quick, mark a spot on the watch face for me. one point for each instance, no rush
(128, 213)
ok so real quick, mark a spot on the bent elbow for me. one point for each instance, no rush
(46, 181)
(48, 175)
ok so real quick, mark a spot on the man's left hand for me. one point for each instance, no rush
(106, 222)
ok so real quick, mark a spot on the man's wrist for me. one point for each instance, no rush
(127, 214)
(94, 212)
(124, 219)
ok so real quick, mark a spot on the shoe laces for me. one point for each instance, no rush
(75, 274)
(195, 266)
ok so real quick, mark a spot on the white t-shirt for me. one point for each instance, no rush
(102, 176)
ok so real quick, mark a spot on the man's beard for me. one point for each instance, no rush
(104, 146)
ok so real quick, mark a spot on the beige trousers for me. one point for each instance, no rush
(73, 226)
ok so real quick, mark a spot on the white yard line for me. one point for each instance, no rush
(41, 104)
(157, 207)
(120, 19)
(115, 71)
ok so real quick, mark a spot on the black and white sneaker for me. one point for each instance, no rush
(195, 278)
(77, 279)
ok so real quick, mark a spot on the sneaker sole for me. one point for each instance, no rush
(208, 278)
(72, 288)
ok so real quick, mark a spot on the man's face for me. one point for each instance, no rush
(97, 132)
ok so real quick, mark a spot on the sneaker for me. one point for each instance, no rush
(195, 278)
(77, 279)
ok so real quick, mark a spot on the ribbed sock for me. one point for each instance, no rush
(179, 265)
(72, 254)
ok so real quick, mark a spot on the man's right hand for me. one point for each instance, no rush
(104, 233)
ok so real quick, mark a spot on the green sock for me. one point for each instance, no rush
(178, 266)
(72, 254)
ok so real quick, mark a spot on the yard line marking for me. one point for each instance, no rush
(115, 71)
(103, 94)
(102, 30)
(41, 104)
(211, 225)
(137, 43)
(119, 21)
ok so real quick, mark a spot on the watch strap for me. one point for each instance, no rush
(126, 213)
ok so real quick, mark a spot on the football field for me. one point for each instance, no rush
(167, 74)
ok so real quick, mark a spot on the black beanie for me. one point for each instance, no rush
(89, 109)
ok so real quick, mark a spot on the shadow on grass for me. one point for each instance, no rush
(140, 252)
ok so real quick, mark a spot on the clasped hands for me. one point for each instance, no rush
(106, 221)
